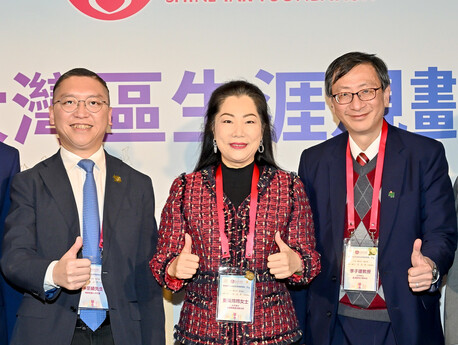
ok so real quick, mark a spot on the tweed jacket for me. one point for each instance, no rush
(191, 208)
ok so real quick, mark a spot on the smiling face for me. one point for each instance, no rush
(362, 119)
(80, 132)
(237, 131)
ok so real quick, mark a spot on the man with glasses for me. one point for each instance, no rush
(80, 233)
(384, 218)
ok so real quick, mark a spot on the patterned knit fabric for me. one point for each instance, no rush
(363, 180)
(191, 208)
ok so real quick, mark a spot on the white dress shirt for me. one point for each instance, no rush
(77, 177)
(370, 152)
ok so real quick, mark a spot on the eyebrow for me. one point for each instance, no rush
(89, 96)
(360, 86)
(232, 115)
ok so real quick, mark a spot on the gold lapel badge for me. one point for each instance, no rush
(117, 179)
(249, 275)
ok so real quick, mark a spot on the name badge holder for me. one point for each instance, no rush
(236, 286)
(360, 264)
(92, 294)
(236, 291)
(360, 268)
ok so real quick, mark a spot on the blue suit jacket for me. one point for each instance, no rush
(9, 297)
(416, 172)
(43, 224)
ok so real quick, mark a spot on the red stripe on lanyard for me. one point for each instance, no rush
(377, 185)
(253, 207)
(101, 238)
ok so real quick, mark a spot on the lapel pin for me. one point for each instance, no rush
(391, 194)
(117, 179)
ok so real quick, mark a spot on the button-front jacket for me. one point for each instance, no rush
(191, 208)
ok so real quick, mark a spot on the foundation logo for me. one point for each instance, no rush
(109, 9)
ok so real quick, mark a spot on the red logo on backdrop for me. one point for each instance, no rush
(109, 9)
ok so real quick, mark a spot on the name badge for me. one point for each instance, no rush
(92, 294)
(360, 270)
(236, 289)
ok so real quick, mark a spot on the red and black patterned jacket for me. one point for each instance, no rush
(191, 208)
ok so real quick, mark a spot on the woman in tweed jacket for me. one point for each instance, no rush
(238, 138)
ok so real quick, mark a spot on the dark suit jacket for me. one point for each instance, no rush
(43, 224)
(9, 297)
(416, 171)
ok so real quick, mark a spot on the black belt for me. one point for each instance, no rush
(80, 323)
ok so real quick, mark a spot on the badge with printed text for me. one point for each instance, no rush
(360, 269)
(236, 289)
(92, 294)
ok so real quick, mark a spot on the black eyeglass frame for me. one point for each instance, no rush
(375, 89)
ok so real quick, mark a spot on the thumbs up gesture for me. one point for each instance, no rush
(70, 272)
(186, 264)
(420, 275)
(285, 263)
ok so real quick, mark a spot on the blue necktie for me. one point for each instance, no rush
(93, 318)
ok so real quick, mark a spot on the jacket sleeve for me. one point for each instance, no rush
(171, 237)
(21, 263)
(439, 234)
(5, 202)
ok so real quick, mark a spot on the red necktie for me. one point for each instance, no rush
(362, 159)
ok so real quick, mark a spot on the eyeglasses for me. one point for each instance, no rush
(70, 104)
(363, 95)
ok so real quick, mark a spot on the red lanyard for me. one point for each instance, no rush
(101, 238)
(377, 185)
(253, 207)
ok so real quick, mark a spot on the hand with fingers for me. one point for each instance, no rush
(185, 265)
(420, 275)
(285, 263)
(70, 272)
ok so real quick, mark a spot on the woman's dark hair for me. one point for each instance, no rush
(235, 88)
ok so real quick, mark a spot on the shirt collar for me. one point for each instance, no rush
(71, 160)
(370, 152)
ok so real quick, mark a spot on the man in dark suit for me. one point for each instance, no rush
(103, 293)
(9, 297)
(384, 220)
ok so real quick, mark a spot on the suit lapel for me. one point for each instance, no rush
(392, 179)
(56, 180)
(337, 191)
(115, 188)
